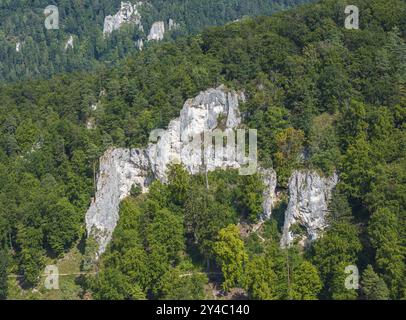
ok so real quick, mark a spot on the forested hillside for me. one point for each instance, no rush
(42, 52)
(312, 87)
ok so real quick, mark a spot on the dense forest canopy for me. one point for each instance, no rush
(42, 52)
(310, 84)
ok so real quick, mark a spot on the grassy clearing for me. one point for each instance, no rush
(69, 270)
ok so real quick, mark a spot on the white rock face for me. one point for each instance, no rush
(18, 46)
(69, 43)
(198, 115)
(172, 25)
(157, 31)
(120, 169)
(128, 13)
(309, 195)
(270, 182)
(140, 44)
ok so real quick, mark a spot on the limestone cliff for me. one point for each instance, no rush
(270, 182)
(217, 108)
(120, 169)
(309, 194)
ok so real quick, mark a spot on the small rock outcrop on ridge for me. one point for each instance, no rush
(309, 195)
(140, 44)
(157, 31)
(69, 43)
(172, 25)
(128, 13)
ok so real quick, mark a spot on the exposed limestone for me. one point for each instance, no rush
(270, 182)
(199, 115)
(120, 169)
(140, 44)
(18, 46)
(128, 13)
(69, 43)
(172, 25)
(217, 108)
(309, 195)
(157, 31)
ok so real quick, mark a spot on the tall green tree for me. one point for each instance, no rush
(305, 282)
(231, 255)
(389, 254)
(373, 286)
(3, 274)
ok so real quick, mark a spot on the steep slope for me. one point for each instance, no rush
(322, 97)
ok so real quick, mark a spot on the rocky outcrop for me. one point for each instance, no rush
(305, 217)
(172, 25)
(69, 43)
(18, 46)
(140, 44)
(120, 169)
(128, 13)
(270, 182)
(157, 31)
(180, 143)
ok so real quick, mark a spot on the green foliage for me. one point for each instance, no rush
(3, 274)
(136, 190)
(281, 274)
(357, 169)
(179, 284)
(330, 254)
(373, 286)
(31, 254)
(231, 256)
(250, 196)
(289, 150)
(383, 234)
(89, 254)
(323, 143)
(208, 211)
(305, 282)
(266, 276)
(321, 97)
(63, 226)
(165, 235)
(339, 207)
(339, 279)
(43, 52)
